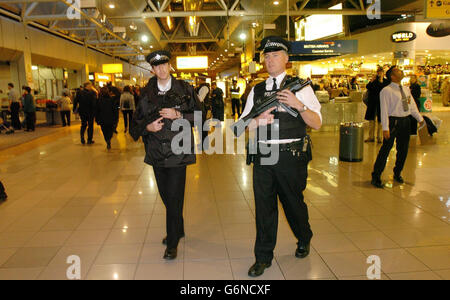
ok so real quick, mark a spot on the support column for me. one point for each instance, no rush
(85, 74)
(405, 51)
(24, 63)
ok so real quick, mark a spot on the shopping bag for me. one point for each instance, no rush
(424, 135)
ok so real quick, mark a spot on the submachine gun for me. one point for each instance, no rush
(170, 100)
(294, 84)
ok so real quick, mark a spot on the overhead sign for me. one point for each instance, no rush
(192, 62)
(439, 29)
(103, 77)
(112, 68)
(437, 9)
(338, 47)
(319, 26)
(403, 36)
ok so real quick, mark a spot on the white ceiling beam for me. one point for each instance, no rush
(305, 2)
(222, 4)
(361, 3)
(207, 28)
(354, 4)
(30, 8)
(211, 13)
(235, 5)
(165, 5)
(46, 18)
(27, 1)
(152, 6)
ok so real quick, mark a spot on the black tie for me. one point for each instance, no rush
(275, 87)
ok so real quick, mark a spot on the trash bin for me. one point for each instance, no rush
(351, 143)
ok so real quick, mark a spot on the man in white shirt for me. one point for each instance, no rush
(14, 107)
(287, 178)
(396, 104)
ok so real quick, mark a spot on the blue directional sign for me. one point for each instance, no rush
(332, 48)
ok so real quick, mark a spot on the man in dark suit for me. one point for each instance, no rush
(85, 103)
(416, 91)
(373, 106)
(115, 93)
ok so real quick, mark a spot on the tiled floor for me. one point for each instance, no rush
(66, 199)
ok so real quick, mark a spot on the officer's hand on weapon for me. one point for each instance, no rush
(266, 118)
(170, 113)
(155, 126)
(287, 97)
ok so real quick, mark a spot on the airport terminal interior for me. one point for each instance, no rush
(66, 198)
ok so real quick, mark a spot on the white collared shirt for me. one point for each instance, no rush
(306, 96)
(165, 88)
(12, 96)
(202, 93)
(391, 104)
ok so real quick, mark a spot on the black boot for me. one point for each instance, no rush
(258, 269)
(302, 251)
(170, 253)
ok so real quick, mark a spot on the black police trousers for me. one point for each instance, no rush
(171, 185)
(400, 129)
(287, 180)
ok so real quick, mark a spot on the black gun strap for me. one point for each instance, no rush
(283, 83)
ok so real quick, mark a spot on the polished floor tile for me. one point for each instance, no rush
(213, 270)
(347, 263)
(371, 240)
(112, 272)
(104, 207)
(436, 258)
(397, 260)
(160, 271)
(311, 267)
(119, 254)
(31, 258)
(415, 276)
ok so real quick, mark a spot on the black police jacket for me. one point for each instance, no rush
(158, 144)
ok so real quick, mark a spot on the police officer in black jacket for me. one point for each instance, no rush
(169, 168)
(287, 178)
